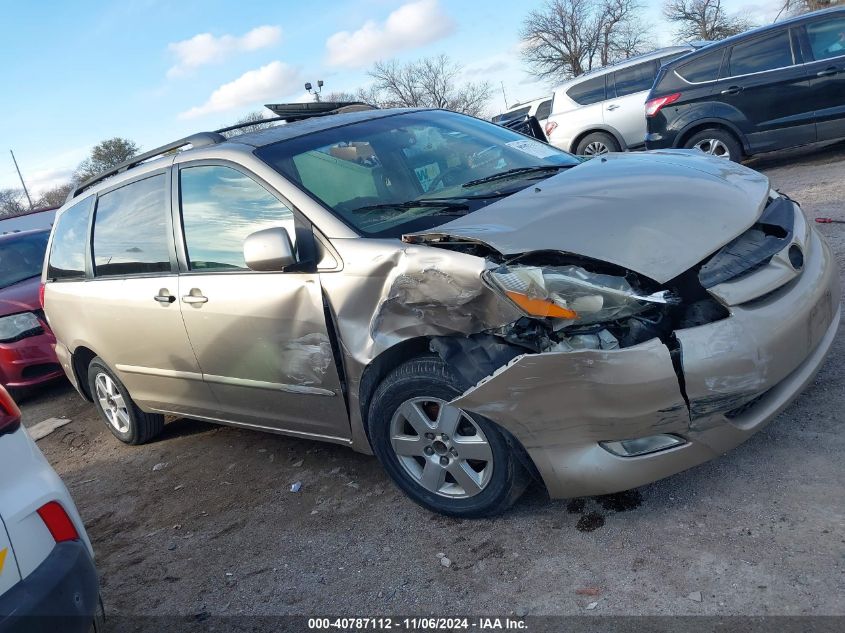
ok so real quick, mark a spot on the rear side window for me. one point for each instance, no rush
(130, 229)
(827, 38)
(221, 207)
(588, 92)
(760, 55)
(67, 254)
(544, 110)
(705, 68)
(634, 79)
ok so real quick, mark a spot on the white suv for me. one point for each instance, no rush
(604, 110)
(47, 575)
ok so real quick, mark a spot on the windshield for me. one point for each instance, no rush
(371, 173)
(22, 257)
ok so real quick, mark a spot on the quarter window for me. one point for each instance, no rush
(761, 55)
(634, 79)
(588, 92)
(221, 207)
(544, 110)
(130, 229)
(704, 68)
(827, 38)
(67, 255)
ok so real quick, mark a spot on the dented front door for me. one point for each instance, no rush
(263, 348)
(260, 338)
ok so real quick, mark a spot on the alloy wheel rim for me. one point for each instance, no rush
(441, 448)
(714, 147)
(596, 148)
(112, 403)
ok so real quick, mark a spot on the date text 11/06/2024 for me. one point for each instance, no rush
(417, 624)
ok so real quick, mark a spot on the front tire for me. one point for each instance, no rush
(122, 416)
(716, 142)
(445, 459)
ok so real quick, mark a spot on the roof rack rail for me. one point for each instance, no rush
(202, 139)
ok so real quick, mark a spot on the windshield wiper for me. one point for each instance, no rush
(517, 171)
(415, 204)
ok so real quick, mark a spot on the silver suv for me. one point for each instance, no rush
(604, 110)
(470, 304)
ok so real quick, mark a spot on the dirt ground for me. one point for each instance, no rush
(216, 529)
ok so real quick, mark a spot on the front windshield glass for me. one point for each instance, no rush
(372, 173)
(21, 257)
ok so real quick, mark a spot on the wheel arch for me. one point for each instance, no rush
(703, 124)
(597, 128)
(80, 360)
(383, 364)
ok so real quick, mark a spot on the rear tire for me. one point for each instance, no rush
(420, 439)
(122, 416)
(596, 144)
(716, 142)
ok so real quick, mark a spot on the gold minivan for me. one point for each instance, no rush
(472, 305)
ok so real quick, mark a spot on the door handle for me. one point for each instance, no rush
(732, 90)
(827, 72)
(164, 296)
(194, 298)
(613, 106)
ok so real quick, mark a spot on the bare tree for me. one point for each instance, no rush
(798, 7)
(703, 20)
(53, 197)
(105, 155)
(12, 202)
(256, 121)
(567, 38)
(432, 82)
(341, 96)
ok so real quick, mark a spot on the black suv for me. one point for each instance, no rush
(774, 87)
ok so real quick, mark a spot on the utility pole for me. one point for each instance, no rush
(316, 92)
(23, 184)
(504, 96)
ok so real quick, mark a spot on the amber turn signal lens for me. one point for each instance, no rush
(540, 307)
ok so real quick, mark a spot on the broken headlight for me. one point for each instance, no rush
(571, 294)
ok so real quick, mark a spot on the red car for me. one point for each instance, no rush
(26, 342)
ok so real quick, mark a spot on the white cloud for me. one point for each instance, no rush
(272, 81)
(409, 26)
(205, 49)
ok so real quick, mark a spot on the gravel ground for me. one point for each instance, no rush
(216, 530)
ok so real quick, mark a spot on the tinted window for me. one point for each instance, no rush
(512, 114)
(759, 55)
(705, 68)
(587, 92)
(220, 208)
(130, 229)
(827, 38)
(634, 79)
(22, 257)
(67, 255)
(669, 58)
(544, 110)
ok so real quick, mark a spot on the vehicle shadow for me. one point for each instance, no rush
(807, 154)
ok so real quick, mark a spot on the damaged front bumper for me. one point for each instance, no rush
(729, 379)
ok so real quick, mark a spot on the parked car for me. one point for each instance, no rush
(26, 342)
(29, 221)
(538, 108)
(602, 111)
(775, 87)
(48, 581)
(468, 303)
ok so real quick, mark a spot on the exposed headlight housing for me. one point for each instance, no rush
(571, 294)
(17, 326)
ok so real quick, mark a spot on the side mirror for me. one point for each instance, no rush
(269, 250)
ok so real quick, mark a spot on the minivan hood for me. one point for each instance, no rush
(656, 213)
(20, 297)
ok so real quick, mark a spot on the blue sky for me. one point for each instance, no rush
(153, 70)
